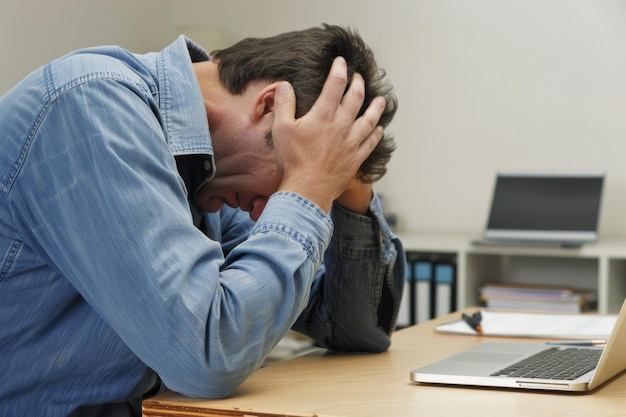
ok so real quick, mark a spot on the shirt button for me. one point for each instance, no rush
(207, 165)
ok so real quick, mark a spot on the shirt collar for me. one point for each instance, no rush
(182, 106)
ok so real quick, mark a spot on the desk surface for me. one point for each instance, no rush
(325, 384)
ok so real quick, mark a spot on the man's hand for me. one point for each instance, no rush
(321, 152)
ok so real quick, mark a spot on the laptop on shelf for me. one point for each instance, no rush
(543, 208)
(500, 364)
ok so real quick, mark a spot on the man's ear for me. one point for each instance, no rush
(263, 102)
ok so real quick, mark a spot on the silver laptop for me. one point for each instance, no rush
(544, 208)
(498, 364)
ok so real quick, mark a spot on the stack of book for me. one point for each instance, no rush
(537, 297)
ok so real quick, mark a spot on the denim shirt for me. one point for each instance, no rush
(103, 275)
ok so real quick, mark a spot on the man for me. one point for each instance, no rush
(126, 253)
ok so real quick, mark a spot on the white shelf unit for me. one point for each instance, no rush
(600, 266)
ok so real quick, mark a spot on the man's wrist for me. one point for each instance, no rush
(356, 197)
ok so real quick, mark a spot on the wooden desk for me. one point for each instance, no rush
(327, 384)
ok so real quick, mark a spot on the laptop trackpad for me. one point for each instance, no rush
(483, 359)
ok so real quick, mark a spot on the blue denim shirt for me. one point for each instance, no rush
(103, 275)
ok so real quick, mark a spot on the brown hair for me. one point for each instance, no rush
(304, 59)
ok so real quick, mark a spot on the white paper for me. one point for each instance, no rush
(570, 326)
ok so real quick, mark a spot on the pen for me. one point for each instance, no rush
(578, 342)
(473, 321)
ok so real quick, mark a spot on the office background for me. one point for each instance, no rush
(483, 85)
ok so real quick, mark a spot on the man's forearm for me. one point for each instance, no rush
(354, 304)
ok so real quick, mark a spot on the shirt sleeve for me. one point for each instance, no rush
(356, 294)
(100, 198)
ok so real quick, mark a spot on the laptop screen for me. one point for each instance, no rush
(561, 208)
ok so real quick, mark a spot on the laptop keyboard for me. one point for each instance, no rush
(554, 363)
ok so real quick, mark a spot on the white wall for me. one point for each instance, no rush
(483, 84)
(33, 32)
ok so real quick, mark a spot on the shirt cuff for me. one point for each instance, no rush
(359, 231)
(295, 217)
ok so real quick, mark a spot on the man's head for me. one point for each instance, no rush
(304, 59)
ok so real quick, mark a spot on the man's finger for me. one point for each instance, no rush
(353, 98)
(333, 89)
(370, 142)
(284, 103)
(368, 121)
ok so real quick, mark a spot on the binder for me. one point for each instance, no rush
(412, 258)
(445, 287)
(423, 271)
(404, 314)
(416, 299)
(429, 287)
